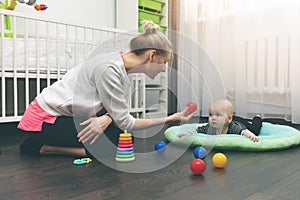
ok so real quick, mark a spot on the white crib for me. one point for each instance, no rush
(40, 52)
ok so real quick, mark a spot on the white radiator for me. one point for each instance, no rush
(263, 75)
(267, 64)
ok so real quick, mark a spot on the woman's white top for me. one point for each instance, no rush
(100, 82)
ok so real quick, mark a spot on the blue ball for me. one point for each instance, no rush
(160, 146)
(200, 152)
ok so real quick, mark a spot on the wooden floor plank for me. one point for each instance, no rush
(287, 188)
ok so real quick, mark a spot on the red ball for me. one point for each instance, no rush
(192, 106)
(197, 166)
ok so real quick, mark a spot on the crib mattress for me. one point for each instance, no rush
(49, 54)
(271, 137)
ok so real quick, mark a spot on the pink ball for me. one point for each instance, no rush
(197, 166)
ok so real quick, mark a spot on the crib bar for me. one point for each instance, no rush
(76, 45)
(57, 52)
(84, 42)
(93, 39)
(67, 45)
(15, 88)
(47, 53)
(37, 41)
(26, 64)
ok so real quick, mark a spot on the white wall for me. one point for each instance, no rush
(127, 14)
(93, 12)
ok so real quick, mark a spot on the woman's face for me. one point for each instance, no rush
(156, 64)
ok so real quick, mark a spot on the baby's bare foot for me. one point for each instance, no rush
(43, 149)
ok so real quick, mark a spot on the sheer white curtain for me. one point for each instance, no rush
(250, 52)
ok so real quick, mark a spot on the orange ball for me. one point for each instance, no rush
(219, 160)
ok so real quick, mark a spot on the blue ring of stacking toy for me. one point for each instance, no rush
(271, 137)
(125, 152)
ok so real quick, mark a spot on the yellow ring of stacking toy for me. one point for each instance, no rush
(125, 135)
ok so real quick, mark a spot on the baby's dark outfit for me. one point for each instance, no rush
(237, 126)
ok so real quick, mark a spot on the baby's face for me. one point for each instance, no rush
(218, 118)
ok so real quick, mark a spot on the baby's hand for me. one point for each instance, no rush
(180, 135)
(250, 135)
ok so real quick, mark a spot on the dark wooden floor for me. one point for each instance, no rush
(248, 175)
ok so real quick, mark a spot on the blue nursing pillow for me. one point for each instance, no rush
(271, 137)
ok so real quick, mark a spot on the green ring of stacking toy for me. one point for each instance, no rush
(124, 155)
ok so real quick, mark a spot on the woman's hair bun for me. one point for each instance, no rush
(149, 26)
